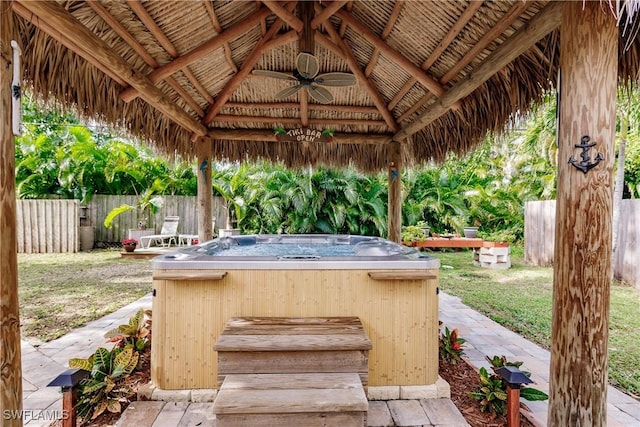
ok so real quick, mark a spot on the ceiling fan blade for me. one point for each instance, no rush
(286, 92)
(307, 65)
(335, 79)
(320, 94)
(276, 74)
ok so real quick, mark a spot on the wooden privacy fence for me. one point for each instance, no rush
(539, 238)
(51, 225)
(47, 226)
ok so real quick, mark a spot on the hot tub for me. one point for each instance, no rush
(391, 288)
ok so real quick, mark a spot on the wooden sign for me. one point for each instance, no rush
(304, 135)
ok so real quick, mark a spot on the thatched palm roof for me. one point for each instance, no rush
(436, 75)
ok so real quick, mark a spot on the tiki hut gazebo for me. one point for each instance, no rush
(428, 78)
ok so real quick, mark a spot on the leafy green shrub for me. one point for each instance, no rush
(413, 233)
(451, 346)
(498, 236)
(492, 393)
(102, 390)
(136, 333)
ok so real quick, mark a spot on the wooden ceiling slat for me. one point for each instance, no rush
(351, 60)
(539, 26)
(200, 51)
(140, 50)
(60, 18)
(439, 50)
(266, 43)
(412, 69)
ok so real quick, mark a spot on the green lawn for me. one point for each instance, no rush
(520, 298)
(60, 292)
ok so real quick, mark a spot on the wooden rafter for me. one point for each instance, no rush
(385, 34)
(328, 12)
(351, 60)
(539, 26)
(489, 37)
(312, 107)
(89, 42)
(204, 49)
(266, 43)
(208, 5)
(284, 14)
(442, 46)
(140, 50)
(269, 136)
(400, 60)
(296, 120)
(343, 25)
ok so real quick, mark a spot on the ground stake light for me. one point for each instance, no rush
(69, 381)
(514, 378)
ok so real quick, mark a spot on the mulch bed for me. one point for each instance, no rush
(463, 378)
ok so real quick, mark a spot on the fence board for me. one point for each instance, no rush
(539, 238)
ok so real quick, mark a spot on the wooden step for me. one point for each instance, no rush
(277, 345)
(301, 400)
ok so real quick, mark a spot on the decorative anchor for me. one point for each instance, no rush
(586, 164)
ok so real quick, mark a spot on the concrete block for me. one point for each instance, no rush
(488, 258)
(145, 391)
(203, 395)
(390, 392)
(495, 251)
(410, 392)
(444, 390)
(171, 395)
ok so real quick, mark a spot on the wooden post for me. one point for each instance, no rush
(588, 63)
(394, 209)
(10, 367)
(205, 191)
(513, 405)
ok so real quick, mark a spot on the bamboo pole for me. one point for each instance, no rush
(582, 267)
(10, 355)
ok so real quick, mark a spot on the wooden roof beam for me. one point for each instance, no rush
(385, 34)
(547, 20)
(266, 43)
(328, 12)
(411, 69)
(257, 135)
(140, 50)
(312, 107)
(200, 51)
(208, 5)
(508, 18)
(284, 14)
(442, 46)
(89, 42)
(296, 120)
(345, 51)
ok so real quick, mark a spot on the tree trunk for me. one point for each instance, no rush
(582, 268)
(10, 355)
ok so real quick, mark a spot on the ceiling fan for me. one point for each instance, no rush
(306, 76)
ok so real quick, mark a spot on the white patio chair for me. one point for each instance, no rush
(168, 234)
